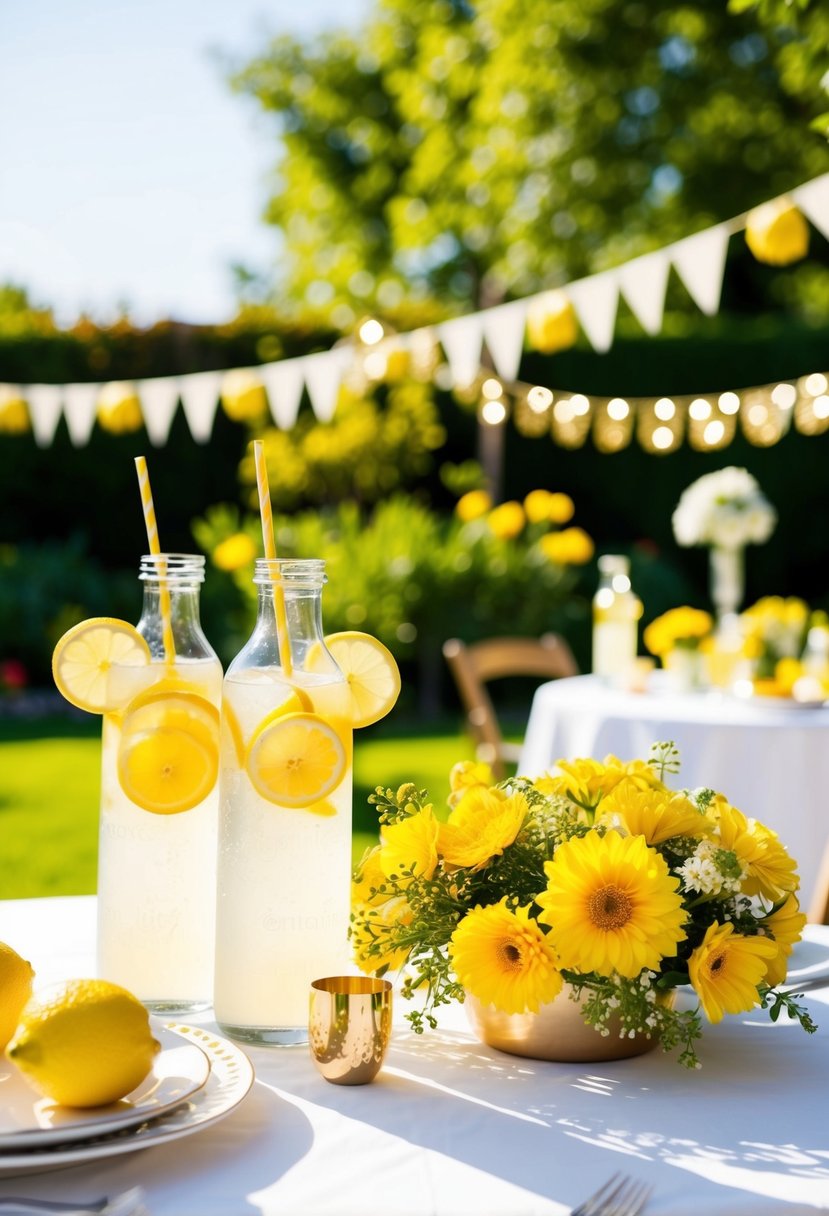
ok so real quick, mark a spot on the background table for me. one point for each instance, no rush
(453, 1128)
(770, 761)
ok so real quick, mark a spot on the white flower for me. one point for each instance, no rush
(725, 508)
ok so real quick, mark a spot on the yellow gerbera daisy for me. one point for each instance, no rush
(481, 826)
(771, 872)
(504, 959)
(655, 814)
(785, 925)
(372, 926)
(583, 781)
(726, 968)
(465, 775)
(612, 905)
(410, 847)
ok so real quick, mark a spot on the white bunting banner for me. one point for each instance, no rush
(323, 374)
(284, 383)
(504, 335)
(699, 261)
(461, 341)
(643, 282)
(79, 402)
(595, 301)
(45, 404)
(200, 400)
(813, 201)
(159, 399)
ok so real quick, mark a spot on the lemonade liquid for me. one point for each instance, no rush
(156, 871)
(283, 870)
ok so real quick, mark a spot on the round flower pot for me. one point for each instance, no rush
(557, 1032)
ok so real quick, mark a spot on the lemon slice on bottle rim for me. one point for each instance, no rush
(296, 760)
(370, 669)
(83, 657)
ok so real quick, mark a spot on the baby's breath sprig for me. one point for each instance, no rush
(664, 758)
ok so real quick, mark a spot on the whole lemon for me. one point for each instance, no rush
(16, 977)
(84, 1043)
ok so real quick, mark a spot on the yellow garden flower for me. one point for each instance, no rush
(785, 926)
(473, 505)
(466, 775)
(677, 627)
(655, 814)
(537, 506)
(481, 826)
(234, 552)
(371, 926)
(770, 871)
(583, 781)
(726, 968)
(572, 547)
(561, 509)
(368, 877)
(612, 905)
(507, 521)
(410, 847)
(504, 959)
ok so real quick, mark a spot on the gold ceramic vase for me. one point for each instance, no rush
(557, 1032)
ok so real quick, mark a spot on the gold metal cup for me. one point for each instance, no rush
(349, 1027)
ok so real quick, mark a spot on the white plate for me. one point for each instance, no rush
(27, 1121)
(231, 1076)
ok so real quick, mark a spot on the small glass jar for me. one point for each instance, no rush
(616, 613)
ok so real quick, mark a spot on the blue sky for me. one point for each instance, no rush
(129, 172)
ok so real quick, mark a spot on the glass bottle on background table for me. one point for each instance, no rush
(159, 800)
(616, 613)
(285, 814)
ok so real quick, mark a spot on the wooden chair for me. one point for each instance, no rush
(474, 666)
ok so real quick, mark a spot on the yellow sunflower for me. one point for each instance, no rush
(481, 826)
(612, 905)
(785, 926)
(771, 872)
(410, 847)
(504, 959)
(372, 925)
(726, 968)
(655, 814)
(465, 775)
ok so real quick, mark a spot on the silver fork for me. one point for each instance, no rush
(620, 1196)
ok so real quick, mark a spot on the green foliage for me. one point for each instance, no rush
(461, 152)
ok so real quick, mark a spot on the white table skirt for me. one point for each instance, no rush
(452, 1128)
(770, 762)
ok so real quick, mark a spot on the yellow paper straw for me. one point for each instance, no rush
(270, 553)
(155, 549)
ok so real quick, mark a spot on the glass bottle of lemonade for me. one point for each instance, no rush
(616, 613)
(285, 816)
(159, 799)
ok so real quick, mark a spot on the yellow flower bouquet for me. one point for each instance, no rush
(679, 628)
(597, 875)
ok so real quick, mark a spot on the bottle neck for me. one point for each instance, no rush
(303, 617)
(172, 582)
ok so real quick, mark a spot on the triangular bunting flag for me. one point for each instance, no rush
(283, 383)
(813, 201)
(44, 401)
(159, 398)
(504, 333)
(200, 399)
(461, 340)
(595, 301)
(643, 282)
(700, 263)
(323, 374)
(79, 401)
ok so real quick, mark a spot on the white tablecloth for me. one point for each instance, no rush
(452, 1128)
(771, 762)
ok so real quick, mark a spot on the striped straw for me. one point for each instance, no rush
(270, 553)
(155, 549)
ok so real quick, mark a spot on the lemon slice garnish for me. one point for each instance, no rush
(83, 657)
(296, 760)
(370, 669)
(232, 727)
(167, 770)
(179, 710)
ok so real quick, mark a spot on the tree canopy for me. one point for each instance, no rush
(454, 153)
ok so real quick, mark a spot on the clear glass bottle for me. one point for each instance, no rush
(159, 801)
(616, 613)
(284, 868)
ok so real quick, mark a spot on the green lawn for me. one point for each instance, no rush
(49, 788)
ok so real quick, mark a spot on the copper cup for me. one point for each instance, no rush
(349, 1027)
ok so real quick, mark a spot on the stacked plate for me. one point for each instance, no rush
(197, 1078)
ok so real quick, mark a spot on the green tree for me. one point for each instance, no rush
(803, 28)
(469, 150)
